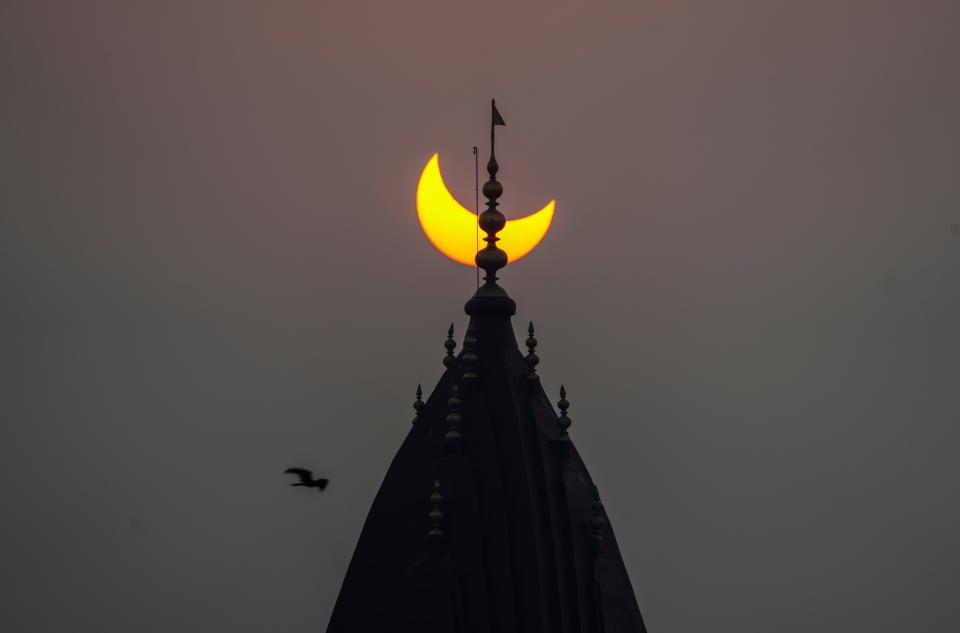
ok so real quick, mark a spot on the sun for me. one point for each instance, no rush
(452, 228)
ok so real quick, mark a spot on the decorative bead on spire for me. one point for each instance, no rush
(418, 404)
(531, 357)
(450, 360)
(436, 535)
(469, 360)
(596, 523)
(453, 439)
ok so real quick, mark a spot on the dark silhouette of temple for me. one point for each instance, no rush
(487, 520)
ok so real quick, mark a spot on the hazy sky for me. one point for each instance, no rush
(211, 269)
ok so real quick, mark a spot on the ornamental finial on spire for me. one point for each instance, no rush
(491, 298)
(531, 358)
(436, 535)
(452, 439)
(563, 442)
(491, 258)
(449, 360)
(469, 359)
(418, 404)
(564, 421)
(596, 523)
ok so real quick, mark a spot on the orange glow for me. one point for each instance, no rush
(452, 228)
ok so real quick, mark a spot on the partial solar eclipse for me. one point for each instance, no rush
(452, 228)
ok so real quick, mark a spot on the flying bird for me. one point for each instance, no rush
(306, 479)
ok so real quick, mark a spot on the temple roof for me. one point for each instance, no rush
(487, 519)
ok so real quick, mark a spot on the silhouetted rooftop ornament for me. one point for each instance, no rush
(453, 439)
(469, 359)
(436, 535)
(531, 358)
(418, 404)
(450, 360)
(563, 422)
(596, 524)
(491, 298)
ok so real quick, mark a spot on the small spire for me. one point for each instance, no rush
(418, 404)
(453, 439)
(436, 535)
(563, 443)
(564, 421)
(597, 523)
(469, 359)
(531, 357)
(450, 360)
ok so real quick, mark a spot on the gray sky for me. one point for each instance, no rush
(211, 269)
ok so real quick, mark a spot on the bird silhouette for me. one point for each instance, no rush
(306, 479)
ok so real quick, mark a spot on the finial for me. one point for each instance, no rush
(564, 421)
(531, 357)
(418, 404)
(450, 360)
(563, 443)
(469, 360)
(436, 535)
(596, 523)
(491, 258)
(452, 440)
(491, 298)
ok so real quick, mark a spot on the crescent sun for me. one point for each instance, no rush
(452, 228)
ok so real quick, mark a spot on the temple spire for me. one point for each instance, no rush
(487, 520)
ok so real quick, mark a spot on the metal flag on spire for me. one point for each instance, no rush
(495, 120)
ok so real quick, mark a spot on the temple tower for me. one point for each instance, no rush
(487, 520)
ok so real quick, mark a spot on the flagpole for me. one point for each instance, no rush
(476, 206)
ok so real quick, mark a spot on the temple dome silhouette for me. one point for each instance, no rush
(487, 520)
